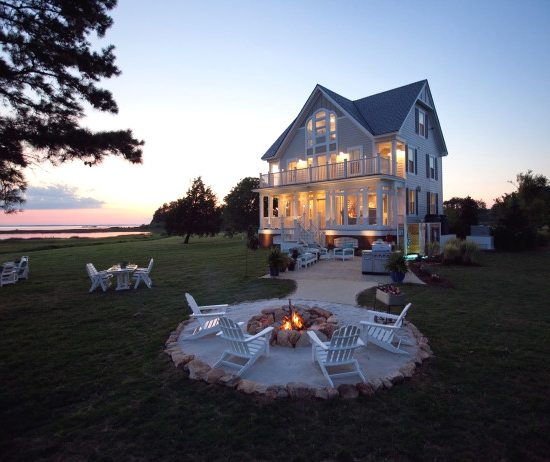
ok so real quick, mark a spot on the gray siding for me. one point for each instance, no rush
(296, 148)
(424, 146)
(349, 136)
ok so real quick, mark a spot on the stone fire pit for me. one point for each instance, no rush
(287, 334)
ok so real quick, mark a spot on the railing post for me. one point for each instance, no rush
(328, 171)
(309, 172)
(345, 168)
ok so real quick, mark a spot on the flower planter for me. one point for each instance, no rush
(390, 299)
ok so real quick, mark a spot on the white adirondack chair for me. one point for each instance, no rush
(338, 353)
(99, 278)
(8, 274)
(23, 268)
(208, 317)
(142, 275)
(244, 350)
(385, 335)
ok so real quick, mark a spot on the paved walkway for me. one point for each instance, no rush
(337, 281)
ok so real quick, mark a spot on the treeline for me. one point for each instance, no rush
(519, 220)
(198, 212)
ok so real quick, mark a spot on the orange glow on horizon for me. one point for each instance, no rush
(102, 216)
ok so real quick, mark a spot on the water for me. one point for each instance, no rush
(57, 231)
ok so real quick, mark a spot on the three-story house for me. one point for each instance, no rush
(367, 169)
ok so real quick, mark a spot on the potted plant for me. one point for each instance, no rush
(275, 261)
(397, 266)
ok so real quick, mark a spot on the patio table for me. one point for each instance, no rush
(122, 275)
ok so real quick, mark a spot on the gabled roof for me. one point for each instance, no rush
(378, 114)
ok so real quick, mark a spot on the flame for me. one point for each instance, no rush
(295, 321)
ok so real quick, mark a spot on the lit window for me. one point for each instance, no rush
(433, 204)
(412, 202)
(432, 168)
(320, 130)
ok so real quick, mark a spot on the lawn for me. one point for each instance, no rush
(83, 376)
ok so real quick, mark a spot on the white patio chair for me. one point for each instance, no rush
(8, 273)
(337, 353)
(23, 268)
(99, 278)
(385, 335)
(244, 350)
(208, 317)
(142, 275)
(345, 253)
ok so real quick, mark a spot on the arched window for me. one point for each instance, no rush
(321, 128)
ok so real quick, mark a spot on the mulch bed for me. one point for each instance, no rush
(429, 274)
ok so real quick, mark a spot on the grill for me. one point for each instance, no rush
(375, 260)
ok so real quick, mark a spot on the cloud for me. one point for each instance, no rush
(58, 197)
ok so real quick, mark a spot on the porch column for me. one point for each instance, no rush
(379, 220)
(394, 157)
(261, 211)
(332, 207)
(345, 202)
(314, 211)
(357, 207)
(365, 200)
(327, 209)
(395, 212)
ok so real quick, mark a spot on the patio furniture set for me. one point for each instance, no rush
(333, 357)
(123, 272)
(11, 272)
(310, 254)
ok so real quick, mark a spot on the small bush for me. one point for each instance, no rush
(433, 250)
(457, 251)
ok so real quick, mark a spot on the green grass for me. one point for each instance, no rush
(83, 375)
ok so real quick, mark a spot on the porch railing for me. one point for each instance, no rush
(337, 171)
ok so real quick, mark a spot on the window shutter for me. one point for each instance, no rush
(416, 162)
(427, 166)
(407, 201)
(426, 125)
(416, 120)
(416, 203)
(428, 203)
(435, 164)
(406, 158)
(436, 203)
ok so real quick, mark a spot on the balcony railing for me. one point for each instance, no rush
(337, 171)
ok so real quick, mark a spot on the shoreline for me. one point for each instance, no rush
(80, 231)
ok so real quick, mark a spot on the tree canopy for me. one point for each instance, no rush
(241, 209)
(523, 216)
(195, 213)
(462, 212)
(48, 71)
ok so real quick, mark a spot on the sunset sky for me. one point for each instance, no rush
(210, 86)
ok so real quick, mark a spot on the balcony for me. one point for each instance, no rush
(336, 171)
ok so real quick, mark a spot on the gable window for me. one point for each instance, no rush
(321, 130)
(421, 122)
(412, 160)
(431, 167)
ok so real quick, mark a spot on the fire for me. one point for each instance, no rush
(294, 322)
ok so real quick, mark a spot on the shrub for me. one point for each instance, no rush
(469, 252)
(451, 251)
(396, 263)
(433, 249)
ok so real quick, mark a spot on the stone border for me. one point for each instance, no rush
(199, 370)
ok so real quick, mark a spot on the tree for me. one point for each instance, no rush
(462, 213)
(48, 71)
(523, 215)
(195, 213)
(242, 208)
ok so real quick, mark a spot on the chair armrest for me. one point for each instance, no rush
(212, 307)
(207, 315)
(381, 314)
(259, 334)
(313, 337)
(240, 324)
(375, 324)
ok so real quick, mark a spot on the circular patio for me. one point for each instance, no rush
(291, 371)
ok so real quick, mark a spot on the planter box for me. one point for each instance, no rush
(390, 299)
